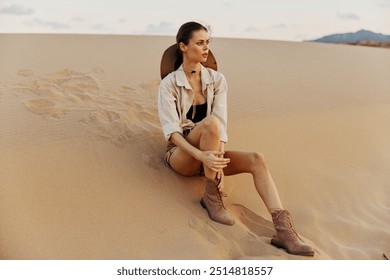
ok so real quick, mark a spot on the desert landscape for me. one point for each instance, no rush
(82, 173)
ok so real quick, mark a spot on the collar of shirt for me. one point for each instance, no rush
(181, 79)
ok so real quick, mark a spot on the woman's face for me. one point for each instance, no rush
(198, 47)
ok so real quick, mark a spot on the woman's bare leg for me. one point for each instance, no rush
(254, 163)
(243, 162)
(205, 136)
(286, 236)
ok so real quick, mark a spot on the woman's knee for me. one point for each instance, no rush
(258, 163)
(211, 124)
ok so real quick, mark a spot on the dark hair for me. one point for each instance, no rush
(183, 36)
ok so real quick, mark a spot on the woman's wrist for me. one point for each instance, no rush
(198, 154)
(222, 147)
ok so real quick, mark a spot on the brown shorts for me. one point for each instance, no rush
(168, 153)
(171, 148)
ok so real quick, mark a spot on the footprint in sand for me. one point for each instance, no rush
(25, 73)
(45, 107)
(207, 230)
(236, 242)
(126, 116)
(123, 115)
(110, 125)
(152, 160)
(39, 103)
(255, 223)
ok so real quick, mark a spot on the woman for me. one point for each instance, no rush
(192, 108)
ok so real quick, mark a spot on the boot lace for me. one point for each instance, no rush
(219, 194)
(220, 201)
(290, 227)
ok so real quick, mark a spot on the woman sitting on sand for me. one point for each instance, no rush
(192, 107)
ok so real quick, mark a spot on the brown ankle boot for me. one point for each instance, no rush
(212, 202)
(286, 236)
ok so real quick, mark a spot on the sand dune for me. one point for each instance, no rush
(82, 177)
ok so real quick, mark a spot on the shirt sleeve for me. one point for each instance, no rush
(219, 108)
(167, 108)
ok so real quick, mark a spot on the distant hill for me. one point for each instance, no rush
(354, 38)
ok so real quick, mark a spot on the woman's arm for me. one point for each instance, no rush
(212, 159)
(167, 111)
(182, 143)
(219, 106)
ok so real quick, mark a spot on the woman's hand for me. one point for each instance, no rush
(214, 160)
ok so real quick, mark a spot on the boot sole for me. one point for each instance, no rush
(278, 244)
(204, 206)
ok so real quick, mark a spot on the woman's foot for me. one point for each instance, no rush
(212, 202)
(286, 237)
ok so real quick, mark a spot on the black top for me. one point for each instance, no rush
(200, 112)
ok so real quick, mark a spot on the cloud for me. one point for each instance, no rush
(77, 19)
(101, 27)
(227, 4)
(348, 16)
(163, 28)
(49, 24)
(280, 25)
(16, 10)
(252, 29)
(384, 4)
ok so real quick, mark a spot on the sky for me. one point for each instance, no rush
(286, 20)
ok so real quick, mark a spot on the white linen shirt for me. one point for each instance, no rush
(175, 98)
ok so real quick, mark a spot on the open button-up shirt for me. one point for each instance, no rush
(176, 96)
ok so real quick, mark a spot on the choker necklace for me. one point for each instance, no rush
(190, 71)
